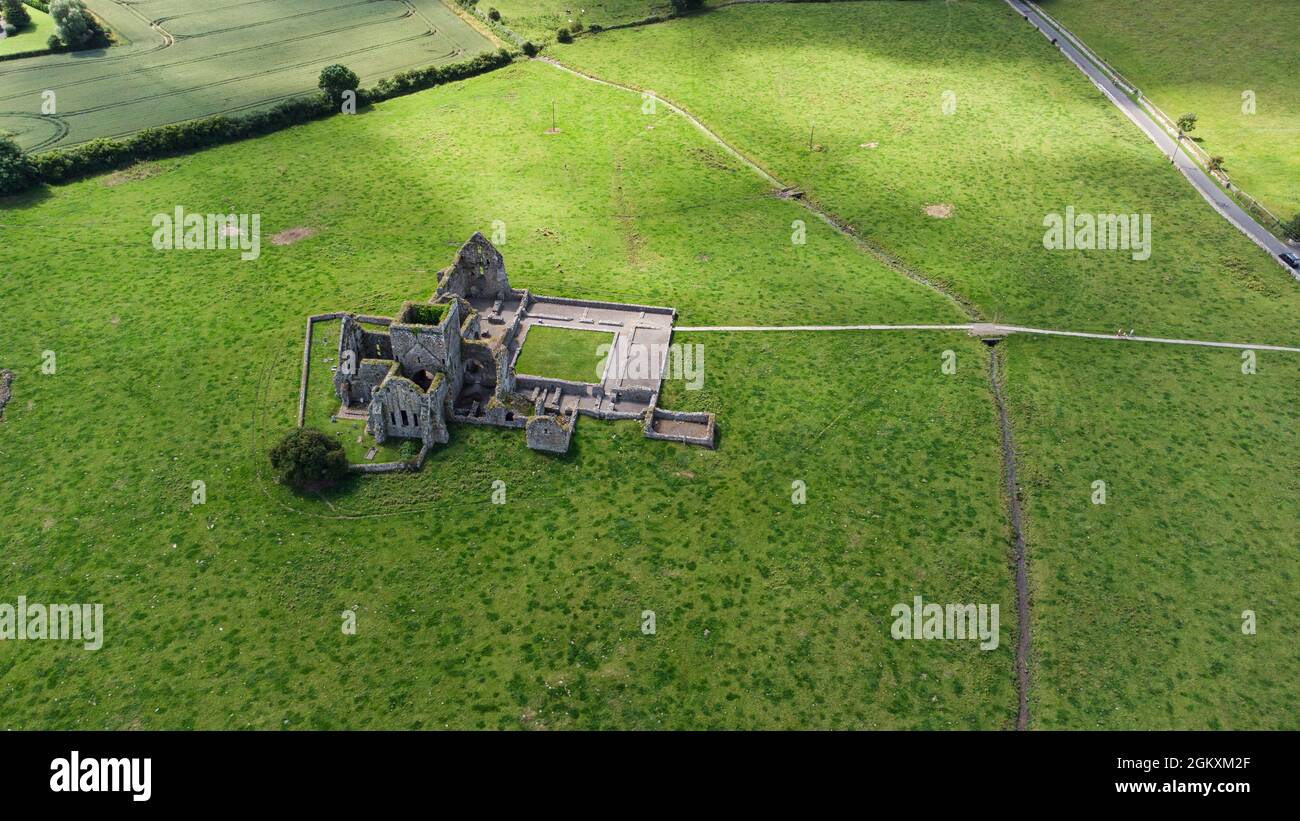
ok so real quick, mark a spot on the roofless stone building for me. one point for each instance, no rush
(453, 358)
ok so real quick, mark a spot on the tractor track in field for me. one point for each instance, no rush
(1017, 543)
(144, 70)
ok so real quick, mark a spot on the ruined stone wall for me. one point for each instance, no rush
(356, 344)
(478, 271)
(399, 409)
(550, 433)
(6, 379)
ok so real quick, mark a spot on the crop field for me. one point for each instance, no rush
(1248, 105)
(915, 151)
(190, 59)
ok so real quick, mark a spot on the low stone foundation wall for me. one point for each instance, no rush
(698, 427)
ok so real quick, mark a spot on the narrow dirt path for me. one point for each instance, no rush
(1018, 546)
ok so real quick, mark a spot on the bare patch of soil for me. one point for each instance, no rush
(940, 210)
(139, 171)
(292, 235)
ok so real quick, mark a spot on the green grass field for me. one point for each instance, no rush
(539, 19)
(1029, 136)
(177, 366)
(184, 366)
(31, 38)
(1168, 51)
(219, 59)
(563, 353)
(1137, 611)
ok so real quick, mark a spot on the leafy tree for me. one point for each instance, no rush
(15, 13)
(307, 457)
(1292, 228)
(71, 22)
(1186, 124)
(335, 80)
(16, 170)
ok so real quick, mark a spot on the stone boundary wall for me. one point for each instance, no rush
(393, 467)
(306, 361)
(593, 303)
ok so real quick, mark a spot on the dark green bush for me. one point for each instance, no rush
(563, 35)
(335, 80)
(17, 173)
(493, 14)
(309, 458)
(15, 13)
(530, 48)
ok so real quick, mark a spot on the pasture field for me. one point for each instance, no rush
(538, 20)
(1138, 603)
(1029, 136)
(182, 366)
(189, 59)
(1167, 51)
(32, 37)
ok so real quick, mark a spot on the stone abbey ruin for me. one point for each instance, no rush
(453, 358)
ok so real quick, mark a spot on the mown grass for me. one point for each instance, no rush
(1205, 60)
(1138, 602)
(33, 37)
(1029, 136)
(184, 366)
(563, 353)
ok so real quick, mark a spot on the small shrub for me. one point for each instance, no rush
(686, 6)
(493, 14)
(576, 27)
(563, 35)
(1292, 229)
(308, 458)
(530, 48)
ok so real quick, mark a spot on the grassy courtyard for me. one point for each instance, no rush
(564, 353)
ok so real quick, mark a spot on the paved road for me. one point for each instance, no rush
(1206, 186)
